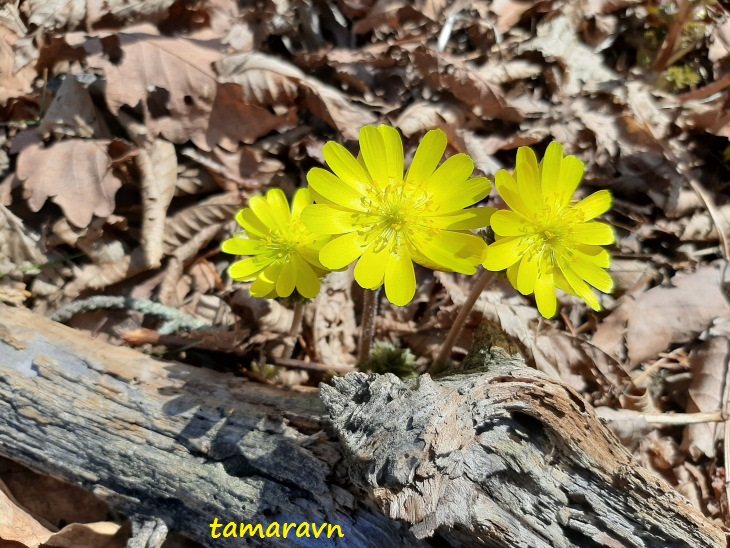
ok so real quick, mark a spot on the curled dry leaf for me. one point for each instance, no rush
(54, 15)
(709, 367)
(17, 78)
(639, 329)
(157, 163)
(19, 246)
(75, 174)
(269, 82)
(333, 321)
(18, 525)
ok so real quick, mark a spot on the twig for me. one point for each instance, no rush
(174, 319)
(484, 278)
(680, 419)
(311, 366)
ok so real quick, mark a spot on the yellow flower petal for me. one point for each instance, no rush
(327, 219)
(507, 188)
(451, 173)
(571, 173)
(428, 155)
(594, 205)
(578, 285)
(468, 219)
(528, 186)
(527, 273)
(593, 254)
(527, 155)
(462, 194)
(307, 280)
(346, 167)
(328, 185)
(342, 251)
(508, 223)
(279, 206)
(372, 148)
(262, 288)
(512, 273)
(262, 209)
(547, 301)
(452, 251)
(242, 246)
(393, 151)
(247, 219)
(593, 233)
(370, 269)
(594, 275)
(302, 198)
(400, 278)
(550, 169)
(249, 268)
(503, 253)
(287, 279)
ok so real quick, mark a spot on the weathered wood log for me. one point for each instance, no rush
(499, 457)
(172, 445)
(504, 456)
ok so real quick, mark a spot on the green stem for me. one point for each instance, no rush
(367, 327)
(483, 279)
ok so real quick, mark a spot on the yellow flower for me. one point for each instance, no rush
(389, 221)
(547, 240)
(283, 253)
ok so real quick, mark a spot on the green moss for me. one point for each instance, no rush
(385, 358)
(679, 77)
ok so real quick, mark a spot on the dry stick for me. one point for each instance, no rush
(367, 327)
(296, 325)
(484, 278)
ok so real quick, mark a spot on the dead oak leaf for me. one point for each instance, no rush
(268, 82)
(75, 174)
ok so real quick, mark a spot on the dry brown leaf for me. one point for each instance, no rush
(639, 329)
(184, 225)
(720, 45)
(269, 82)
(75, 174)
(16, 78)
(509, 12)
(98, 244)
(421, 116)
(558, 38)
(157, 163)
(55, 14)
(97, 535)
(18, 525)
(19, 246)
(171, 78)
(709, 367)
(397, 14)
(444, 72)
(333, 320)
(73, 114)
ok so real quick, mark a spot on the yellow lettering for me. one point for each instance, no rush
(247, 528)
(288, 526)
(230, 530)
(300, 534)
(213, 527)
(269, 533)
(316, 531)
(331, 528)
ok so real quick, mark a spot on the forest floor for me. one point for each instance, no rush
(130, 138)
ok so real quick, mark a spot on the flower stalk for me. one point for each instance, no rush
(367, 327)
(483, 279)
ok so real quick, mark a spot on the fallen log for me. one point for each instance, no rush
(501, 456)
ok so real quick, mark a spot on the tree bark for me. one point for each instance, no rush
(174, 445)
(499, 457)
